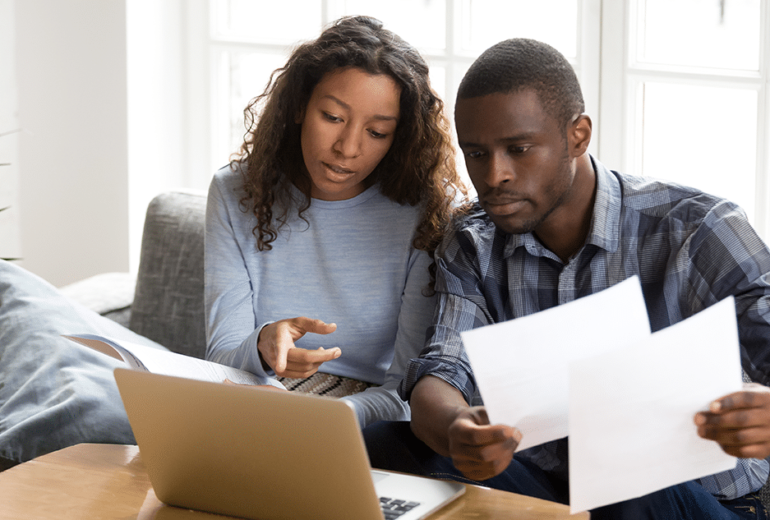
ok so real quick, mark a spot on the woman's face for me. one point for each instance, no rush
(347, 128)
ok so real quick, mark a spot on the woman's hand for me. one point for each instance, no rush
(277, 350)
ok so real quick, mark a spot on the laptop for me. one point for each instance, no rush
(263, 454)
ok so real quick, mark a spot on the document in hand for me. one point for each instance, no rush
(141, 357)
(631, 429)
(522, 365)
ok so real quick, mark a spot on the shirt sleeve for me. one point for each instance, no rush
(228, 291)
(414, 317)
(461, 306)
(729, 258)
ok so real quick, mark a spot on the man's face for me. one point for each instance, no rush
(517, 158)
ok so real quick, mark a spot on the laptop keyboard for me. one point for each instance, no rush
(393, 508)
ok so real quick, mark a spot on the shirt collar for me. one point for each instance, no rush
(605, 221)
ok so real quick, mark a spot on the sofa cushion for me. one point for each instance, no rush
(168, 301)
(54, 393)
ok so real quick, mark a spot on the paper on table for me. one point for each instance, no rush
(632, 410)
(521, 365)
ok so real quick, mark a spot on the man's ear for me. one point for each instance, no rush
(579, 135)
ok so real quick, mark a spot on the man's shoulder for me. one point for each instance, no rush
(664, 199)
(470, 230)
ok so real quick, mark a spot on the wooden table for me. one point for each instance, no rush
(108, 481)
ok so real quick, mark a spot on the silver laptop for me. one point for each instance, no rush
(264, 454)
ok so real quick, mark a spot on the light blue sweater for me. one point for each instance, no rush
(352, 264)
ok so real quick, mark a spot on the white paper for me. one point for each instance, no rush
(632, 411)
(141, 357)
(522, 365)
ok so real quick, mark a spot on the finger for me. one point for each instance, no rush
(300, 358)
(314, 326)
(472, 434)
(752, 396)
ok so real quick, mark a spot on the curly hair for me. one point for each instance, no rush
(419, 168)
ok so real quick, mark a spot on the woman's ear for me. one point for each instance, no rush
(300, 116)
(579, 135)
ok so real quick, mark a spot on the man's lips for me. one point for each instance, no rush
(503, 205)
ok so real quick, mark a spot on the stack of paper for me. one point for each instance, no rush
(591, 369)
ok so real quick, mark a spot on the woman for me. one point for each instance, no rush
(319, 236)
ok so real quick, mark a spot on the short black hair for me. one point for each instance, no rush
(520, 63)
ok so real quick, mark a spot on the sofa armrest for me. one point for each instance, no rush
(109, 294)
(168, 303)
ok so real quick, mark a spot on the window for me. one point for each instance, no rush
(677, 89)
(685, 96)
(247, 44)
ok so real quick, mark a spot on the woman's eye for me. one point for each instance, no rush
(377, 135)
(474, 154)
(332, 117)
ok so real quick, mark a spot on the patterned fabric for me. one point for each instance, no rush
(325, 384)
(690, 250)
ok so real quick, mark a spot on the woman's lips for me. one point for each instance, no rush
(339, 170)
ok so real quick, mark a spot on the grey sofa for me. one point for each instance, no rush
(165, 303)
(55, 393)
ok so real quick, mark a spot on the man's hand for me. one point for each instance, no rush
(277, 350)
(739, 422)
(480, 450)
(443, 420)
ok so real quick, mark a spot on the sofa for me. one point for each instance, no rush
(55, 393)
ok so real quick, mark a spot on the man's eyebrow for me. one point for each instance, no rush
(344, 105)
(525, 136)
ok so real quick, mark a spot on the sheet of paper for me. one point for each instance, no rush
(522, 366)
(632, 410)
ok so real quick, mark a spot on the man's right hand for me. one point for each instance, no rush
(443, 420)
(478, 449)
(277, 350)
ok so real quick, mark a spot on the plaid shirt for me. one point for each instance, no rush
(689, 249)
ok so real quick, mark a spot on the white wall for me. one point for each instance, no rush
(10, 244)
(73, 153)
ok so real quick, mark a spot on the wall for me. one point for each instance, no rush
(73, 153)
(10, 245)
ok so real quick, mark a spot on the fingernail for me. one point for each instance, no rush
(716, 406)
(699, 419)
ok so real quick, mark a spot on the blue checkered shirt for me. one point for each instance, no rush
(689, 249)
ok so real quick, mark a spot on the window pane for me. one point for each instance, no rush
(703, 137)
(722, 34)
(486, 22)
(243, 76)
(407, 18)
(255, 20)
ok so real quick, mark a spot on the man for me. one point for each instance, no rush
(551, 225)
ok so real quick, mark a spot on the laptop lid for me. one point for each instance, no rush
(256, 453)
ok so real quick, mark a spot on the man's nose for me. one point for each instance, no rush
(500, 170)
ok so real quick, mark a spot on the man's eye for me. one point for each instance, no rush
(518, 149)
(475, 154)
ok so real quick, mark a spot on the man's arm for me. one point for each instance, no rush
(449, 426)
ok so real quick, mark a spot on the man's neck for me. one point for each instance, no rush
(566, 229)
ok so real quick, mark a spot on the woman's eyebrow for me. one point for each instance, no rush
(344, 105)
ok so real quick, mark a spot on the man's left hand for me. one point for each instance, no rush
(739, 422)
